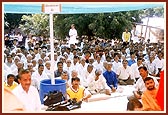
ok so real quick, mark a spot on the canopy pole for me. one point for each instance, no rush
(52, 49)
(146, 27)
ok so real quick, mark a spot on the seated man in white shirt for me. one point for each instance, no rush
(151, 66)
(116, 63)
(74, 73)
(87, 74)
(65, 76)
(98, 84)
(38, 76)
(26, 93)
(159, 61)
(134, 68)
(140, 85)
(124, 74)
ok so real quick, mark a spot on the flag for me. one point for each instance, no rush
(160, 94)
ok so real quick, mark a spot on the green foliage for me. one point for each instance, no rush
(35, 24)
(104, 25)
(11, 20)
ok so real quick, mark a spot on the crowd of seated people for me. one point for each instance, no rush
(95, 66)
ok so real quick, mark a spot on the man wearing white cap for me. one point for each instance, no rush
(16, 60)
(87, 74)
(98, 84)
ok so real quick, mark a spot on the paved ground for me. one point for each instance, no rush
(117, 102)
(101, 103)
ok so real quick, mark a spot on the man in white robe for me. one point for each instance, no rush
(73, 35)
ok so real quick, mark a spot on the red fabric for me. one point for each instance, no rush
(160, 94)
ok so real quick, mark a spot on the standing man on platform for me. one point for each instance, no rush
(126, 36)
(73, 35)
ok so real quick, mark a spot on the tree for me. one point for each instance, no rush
(35, 24)
(12, 20)
(104, 25)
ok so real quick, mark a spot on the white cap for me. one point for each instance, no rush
(17, 57)
(98, 71)
(109, 63)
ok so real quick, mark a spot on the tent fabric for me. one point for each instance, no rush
(78, 8)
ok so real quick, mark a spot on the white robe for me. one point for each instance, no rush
(73, 35)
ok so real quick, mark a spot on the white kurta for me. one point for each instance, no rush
(73, 35)
(116, 65)
(135, 71)
(30, 100)
(86, 77)
(124, 73)
(99, 84)
(36, 78)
